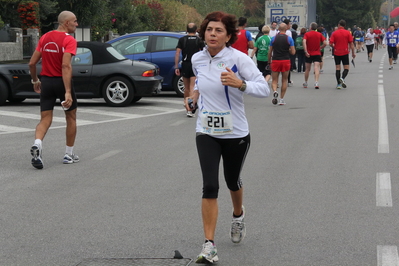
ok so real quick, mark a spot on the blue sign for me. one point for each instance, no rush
(384, 17)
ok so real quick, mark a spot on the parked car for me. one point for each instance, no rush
(99, 71)
(158, 47)
(254, 31)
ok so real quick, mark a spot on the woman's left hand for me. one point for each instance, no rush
(229, 78)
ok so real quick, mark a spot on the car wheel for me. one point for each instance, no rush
(15, 100)
(136, 99)
(3, 92)
(118, 91)
(178, 86)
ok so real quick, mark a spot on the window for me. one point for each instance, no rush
(134, 45)
(165, 43)
(83, 57)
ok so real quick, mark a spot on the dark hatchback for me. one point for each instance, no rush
(99, 71)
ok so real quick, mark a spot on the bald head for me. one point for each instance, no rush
(64, 16)
(191, 27)
(282, 27)
(67, 22)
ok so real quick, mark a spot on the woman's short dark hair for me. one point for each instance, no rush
(229, 22)
(303, 31)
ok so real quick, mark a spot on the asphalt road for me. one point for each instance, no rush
(321, 179)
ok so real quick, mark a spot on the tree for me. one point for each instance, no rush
(363, 13)
(204, 7)
(177, 15)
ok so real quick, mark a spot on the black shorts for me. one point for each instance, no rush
(370, 48)
(233, 152)
(392, 51)
(341, 58)
(187, 70)
(264, 68)
(313, 58)
(53, 88)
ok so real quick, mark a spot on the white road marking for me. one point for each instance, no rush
(37, 117)
(107, 155)
(81, 122)
(383, 136)
(107, 113)
(383, 190)
(10, 129)
(387, 255)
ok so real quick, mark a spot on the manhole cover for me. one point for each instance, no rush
(135, 262)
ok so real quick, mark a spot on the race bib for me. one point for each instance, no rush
(216, 122)
(392, 41)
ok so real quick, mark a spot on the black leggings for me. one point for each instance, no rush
(233, 152)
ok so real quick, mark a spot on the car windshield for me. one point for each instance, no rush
(115, 53)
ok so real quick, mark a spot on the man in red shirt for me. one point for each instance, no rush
(377, 35)
(244, 41)
(341, 40)
(313, 42)
(56, 49)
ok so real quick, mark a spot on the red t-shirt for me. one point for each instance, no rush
(341, 39)
(377, 32)
(241, 44)
(313, 41)
(53, 45)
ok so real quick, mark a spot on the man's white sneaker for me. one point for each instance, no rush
(36, 152)
(275, 96)
(305, 84)
(316, 85)
(238, 231)
(342, 82)
(209, 253)
(190, 114)
(70, 158)
(281, 102)
(390, 68)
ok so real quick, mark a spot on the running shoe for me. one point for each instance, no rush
(281, 102)
(190, 114)
(339, 86)
(305, 84)
(36, 152)
(394, 61)
(238, 231)
(209, 253)
(290, 83)
(321, 70)
(316, 85)
(390, 68)
(342, 82)
(275, 96)
(70, 158)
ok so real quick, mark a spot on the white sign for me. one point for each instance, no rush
(278, 11)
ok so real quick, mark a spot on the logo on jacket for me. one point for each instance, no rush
(221, 65)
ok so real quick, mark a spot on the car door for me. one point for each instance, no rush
(163, 54)
(82, 66)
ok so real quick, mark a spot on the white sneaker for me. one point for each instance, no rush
(275, 96)
(190, 114)
(36, 152)
(316, 85)
(390, 68)
(305, 84)
(209, 253)
(70, 158)
(238, 231)
(342, 82)
(281, 102)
